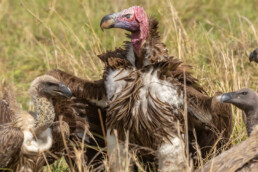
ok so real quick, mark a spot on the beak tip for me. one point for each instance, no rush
(66, 91)
(107, 22)
(225, 98)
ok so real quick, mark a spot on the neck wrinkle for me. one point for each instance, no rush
(251, 121)
(139, 36)
(45, 113)
(136, 42)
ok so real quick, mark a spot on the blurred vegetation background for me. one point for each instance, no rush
(215, 37)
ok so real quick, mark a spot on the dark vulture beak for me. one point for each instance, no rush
(109, 21)
(226, 97)
(64, 91)
(56, 90)
(253, 56)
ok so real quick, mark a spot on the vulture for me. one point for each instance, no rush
(83, 117)
(254, 56)
(243, 156)
(145, 93)
(142, 92)
(25, 136)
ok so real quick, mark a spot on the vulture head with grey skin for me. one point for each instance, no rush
(245, 99)
(243, 156)
(29, 134)
(145, 91)
(43, 89)
(254, 56)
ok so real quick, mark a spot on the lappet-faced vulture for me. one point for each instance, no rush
(145, 93)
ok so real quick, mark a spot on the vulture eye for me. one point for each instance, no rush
(244, 93)
(127, 16)
(49, 84)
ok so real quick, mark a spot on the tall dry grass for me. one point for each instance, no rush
(215, 37)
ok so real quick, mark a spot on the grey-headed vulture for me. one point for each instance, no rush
(25, 136)
(243, 156)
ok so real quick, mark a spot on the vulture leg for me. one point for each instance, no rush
(171, 155)
(116, 153)
(11, 140)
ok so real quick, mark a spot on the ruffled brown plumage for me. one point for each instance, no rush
(15, 130)
(209, 117)
(143, 131)
(81, 88)
(82, 116)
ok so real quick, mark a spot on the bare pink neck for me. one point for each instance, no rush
(136, 42)
(139, 36)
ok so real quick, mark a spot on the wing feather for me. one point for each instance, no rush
(89, 90)
(211, 119)
(11, 140)
(8, 106)
(80, 113)
(10, 98)
(206, 115)
(81, 116)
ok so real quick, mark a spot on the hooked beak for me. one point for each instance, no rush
(226, 97)
(63, 91)
(253, 55)
(108, 21)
